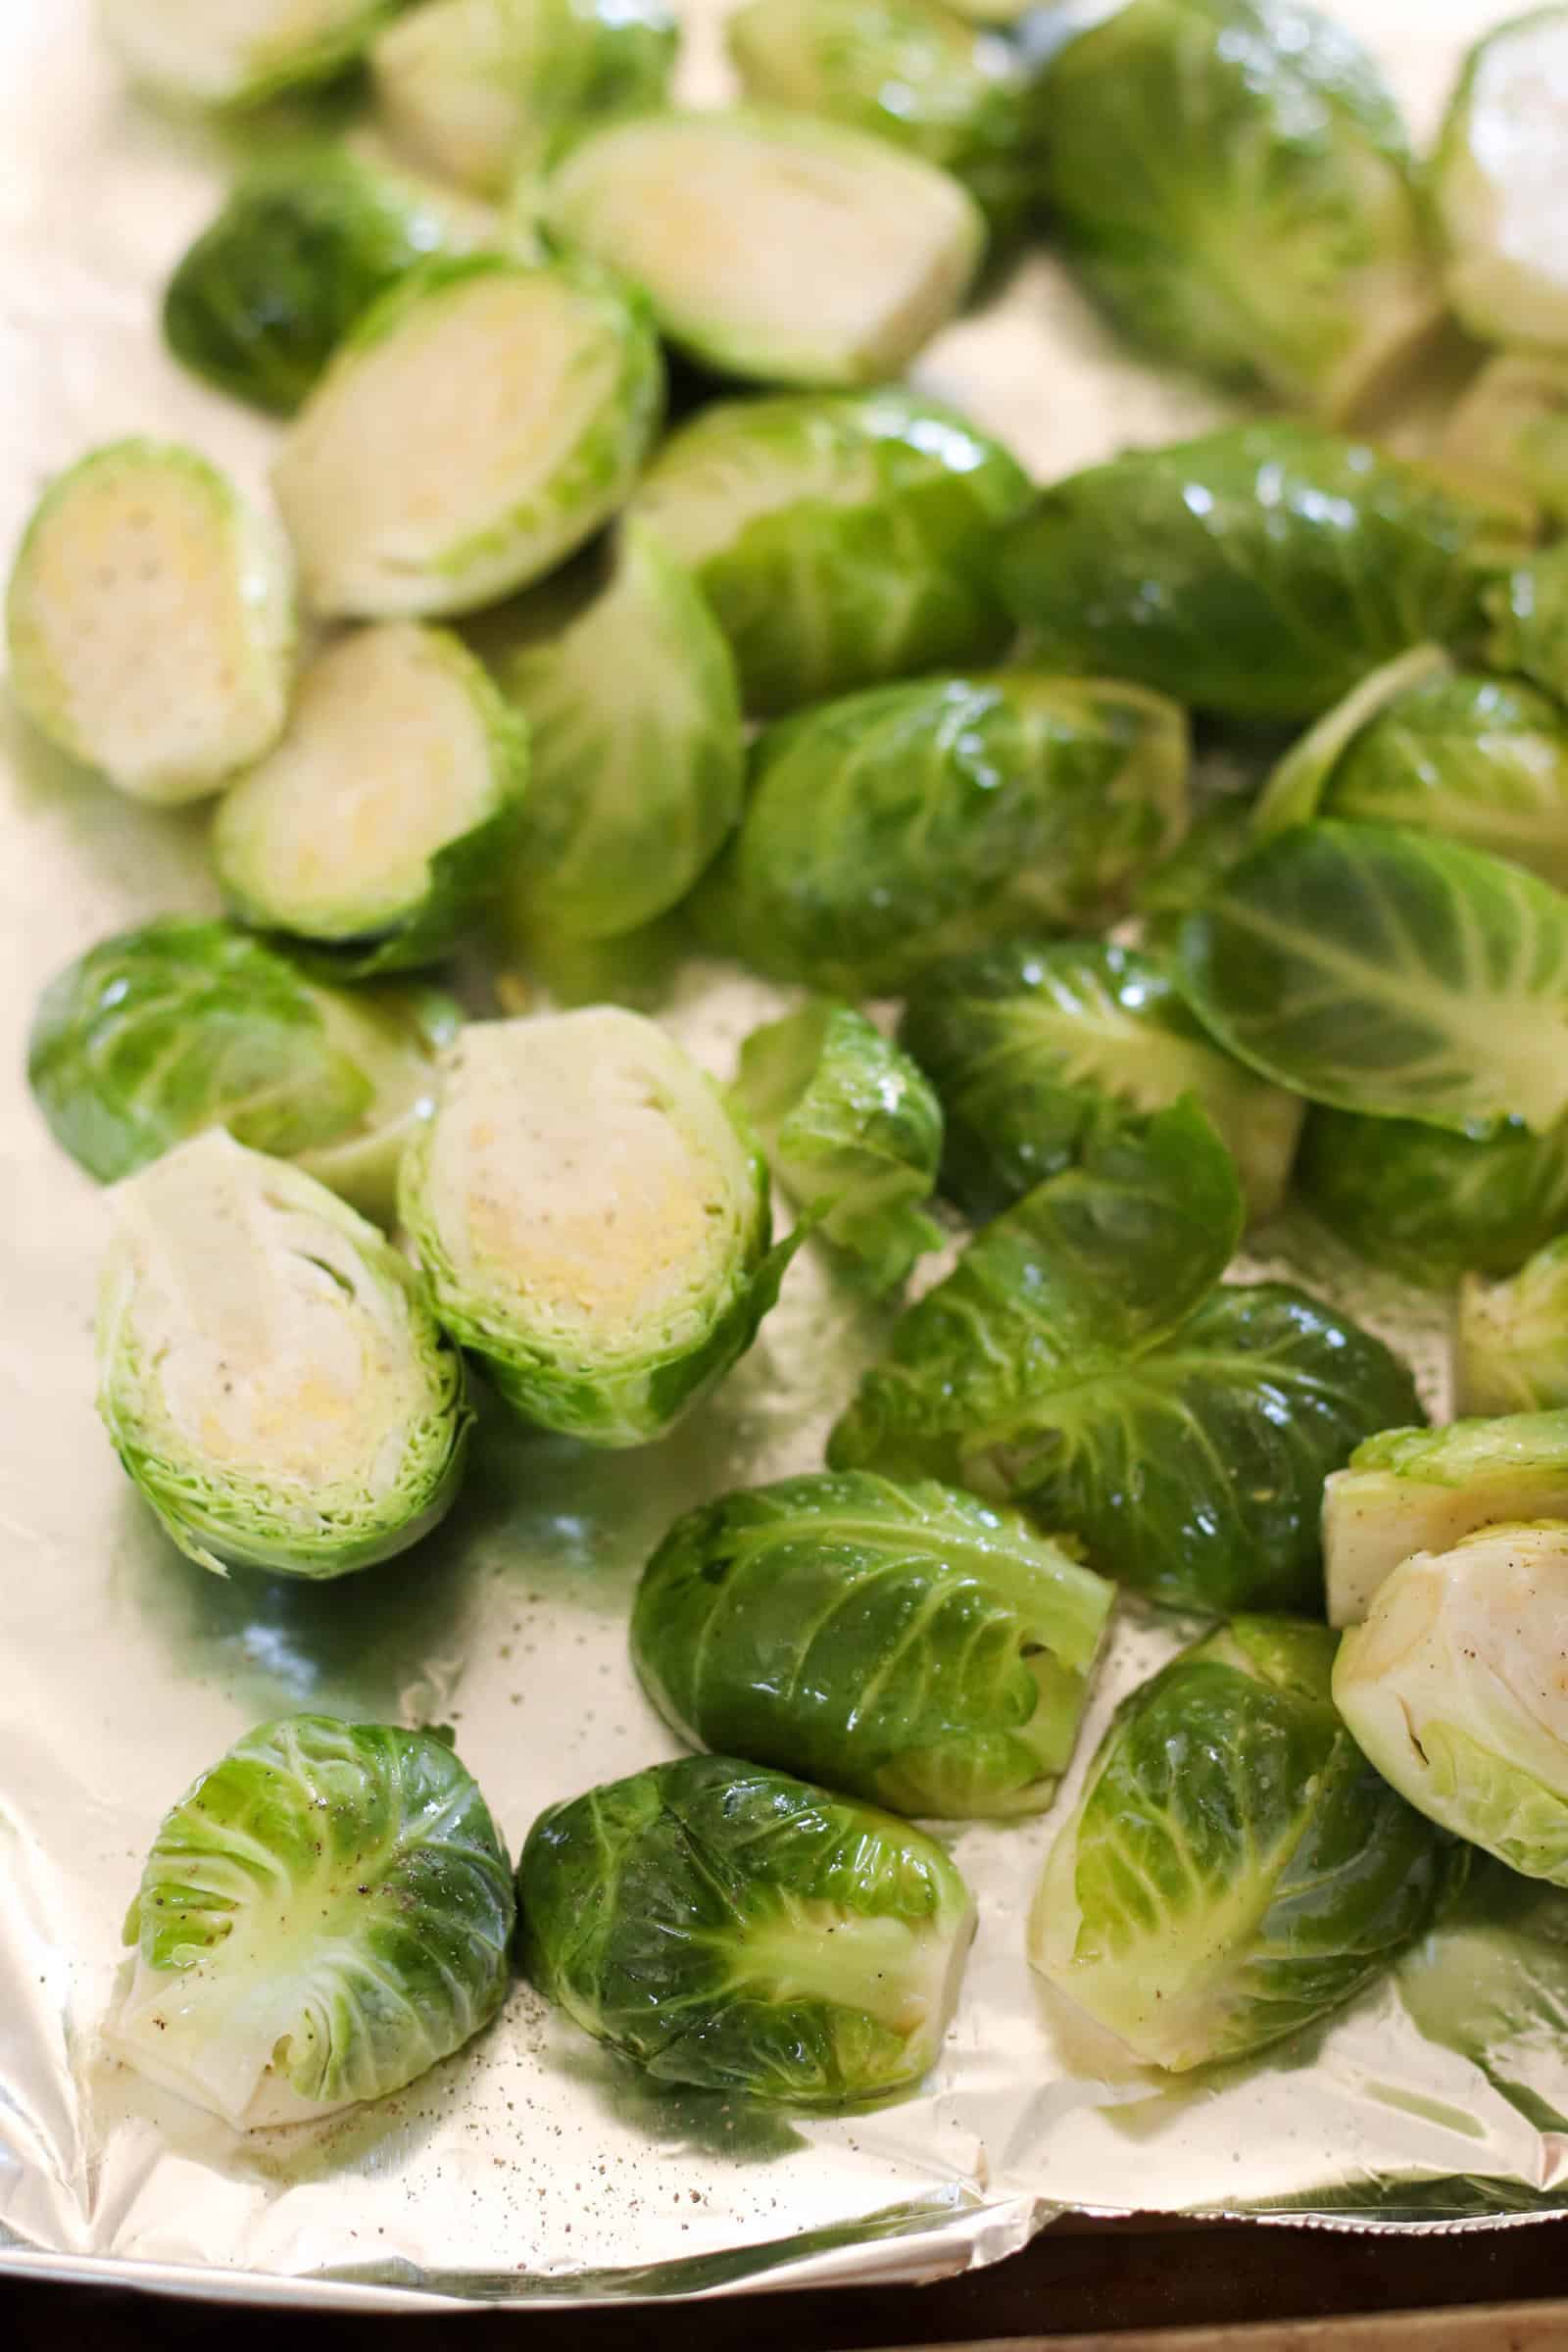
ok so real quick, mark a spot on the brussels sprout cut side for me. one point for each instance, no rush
(773, 245)
(1498, 187)
(592, 1223)
(1431, 1205)
(242, 52)
(1235, 1868)
(388, 812)
(908, 1644)
(323, 1915)
(842, 539)
(1508, 433)
(1422, 1489)
(1453, 1689)
(726, 1927)
(150, 621)
(482, 421)
(270, 1369)
(1511, 1339)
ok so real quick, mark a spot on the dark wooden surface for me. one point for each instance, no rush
(1075, 2279)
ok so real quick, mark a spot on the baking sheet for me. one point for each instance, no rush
(533, 2166)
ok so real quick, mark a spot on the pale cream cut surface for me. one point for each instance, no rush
(213, 49)
(1373, 1521)
(449, 80)
(1505, 203)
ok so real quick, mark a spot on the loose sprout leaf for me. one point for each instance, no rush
(385, 816)
(727, 1927)
(908, 1644)
(1299, 785)
(773, 245)
(1496, 186)
(1511, 1339)
(1026, 1044)
(909, 822)
(240, 52)
(1234, 1867)
(593, 1222)
(1389, 972)
(270, 1369)
(1509, 432)
(1430, 1205)
(1234, 180)
(150, 621)
(853, 1132)
(1258, 573)
(1448, 1689)
(842, 539)
(482, 421)
(322, 1916)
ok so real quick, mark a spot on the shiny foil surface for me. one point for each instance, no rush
(534, 2166)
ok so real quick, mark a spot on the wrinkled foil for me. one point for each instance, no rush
(533, 2167)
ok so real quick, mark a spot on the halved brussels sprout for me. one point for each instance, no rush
(638, 759)
(724, 1926)
(387, 813)
(1235, 180)
(1497, 183)
(303, 247)
(910, 822)
(908, 1644)
(773, 245)
(1258, 573)
(1453, 1689)
(157, 1034)
(323, 1915)
(841, 540)
(239, 52)
(594, 1223)
(853, 1133)
(1027, 1044)
(270, 1369)
(904, 68)
(478, 89)
(481, 420)
(1431, 1205)
(1508, 433)
(1406, 1491)
(149, 619)
(1511, 1339)
(1235, 1868)
(1390, 972)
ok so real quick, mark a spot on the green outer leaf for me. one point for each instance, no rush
(853, 1133)
(1300, 784)
(1512, 1338)
(727, 1927)
(1491, 172)
(1389, 973)
(909, 1644)
(1233, 1869)
(323, 1914)
(1462, 1452)
(1258, 573)
(894, 827)
(1028, 1043)
(842, 539)
(1529, 610)
(1429, 1205)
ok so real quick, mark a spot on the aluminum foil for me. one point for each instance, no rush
(533, 2167)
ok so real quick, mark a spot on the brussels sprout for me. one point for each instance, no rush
(1511, 1339)
(385, 815)
(1430, 1205)
(481, 420)
(910, 822)
(1422, 1489)
(1390, 972)
(1218, 835)
(1508, 433)
(240, 52)
(1497, 183)
(1027, 1043)
(906, 1644)
(1234, 1867)
(1530, 620)
(270, 1369)
(593, 1222)
(1235, 180)
(638, 757)
(323, 1915)
(1453, 1689)
(1258, 573)
(149, 619)
(303, 247)
(478, 89)
(903, 67)
(841, 540)
(1296, 788)
(157, 1034)
(853, 1134)
(724, 1926)
(773, 245)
